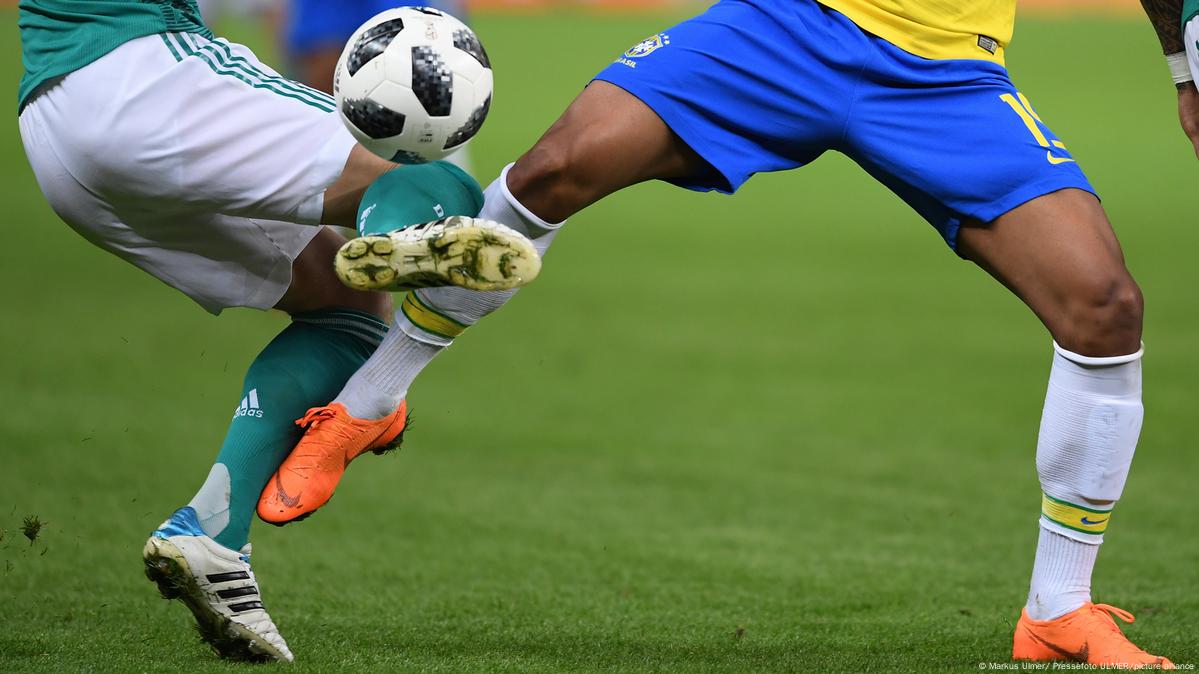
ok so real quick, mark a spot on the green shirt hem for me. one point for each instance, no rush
(30, 84)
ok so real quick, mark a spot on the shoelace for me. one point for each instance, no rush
(1107, 611)
(315, 416)
(1118, 612)
(313, 419)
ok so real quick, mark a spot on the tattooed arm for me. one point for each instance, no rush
(1166, 16)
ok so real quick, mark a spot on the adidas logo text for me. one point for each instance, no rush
(249, 406)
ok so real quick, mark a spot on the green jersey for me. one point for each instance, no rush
(1190, 9)
(61, 36)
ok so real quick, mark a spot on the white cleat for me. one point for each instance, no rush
(457, 251)
(216, 583)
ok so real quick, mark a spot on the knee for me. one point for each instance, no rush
(1103, 317)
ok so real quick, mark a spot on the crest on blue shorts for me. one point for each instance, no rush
(648, 46)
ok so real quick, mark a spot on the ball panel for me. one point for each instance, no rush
(406, 157)
(470, 128)
(372, 43)
(431, 11)
(466, 40)
(465, 67)
(373, 119)
(432, 82)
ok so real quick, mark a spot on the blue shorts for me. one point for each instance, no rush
(320, 24)
(768, 85)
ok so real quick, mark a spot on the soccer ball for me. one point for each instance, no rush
(413, 84)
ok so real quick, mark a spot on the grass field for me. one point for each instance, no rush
(659, 462)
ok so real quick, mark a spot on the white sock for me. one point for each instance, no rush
(432, 317)
(1061, 576)
(378, 387)
(1089, 431)
(211, 503)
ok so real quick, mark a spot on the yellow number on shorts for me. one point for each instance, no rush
(1029, 116)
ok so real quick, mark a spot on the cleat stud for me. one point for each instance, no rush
(382, 247)
(358, 279)
(354, 249)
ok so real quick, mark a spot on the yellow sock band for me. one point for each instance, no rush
(425, 318)
(1075, 517)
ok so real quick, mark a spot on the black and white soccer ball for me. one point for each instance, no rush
(413, 84)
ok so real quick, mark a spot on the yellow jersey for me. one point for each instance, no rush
(936, 29)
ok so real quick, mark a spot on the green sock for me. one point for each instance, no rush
(305, 366)
(415, 194)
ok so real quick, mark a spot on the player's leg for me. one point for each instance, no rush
(704, 114)
(430, 319)
(304, 167)
(1188, 95)
(333, 330)
(201, 553)
(353, 423)
(963, 146)
(152, 169)
(654, 114)
(606, 140)
(333, 333)
(1059, 255)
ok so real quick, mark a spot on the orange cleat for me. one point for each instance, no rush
(309, 475)
(1087, 634)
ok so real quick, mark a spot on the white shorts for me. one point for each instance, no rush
(192, 160)
(1190, 36)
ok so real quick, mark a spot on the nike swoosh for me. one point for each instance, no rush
(1056, 160)
(289, 501)
(1080, 655)
(1094, 522)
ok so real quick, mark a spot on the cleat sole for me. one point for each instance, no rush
(293, 520)
(459, 251)
(169, 570)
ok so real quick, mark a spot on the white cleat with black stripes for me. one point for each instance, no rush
(216, 583)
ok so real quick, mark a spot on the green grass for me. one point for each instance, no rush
(652, 460)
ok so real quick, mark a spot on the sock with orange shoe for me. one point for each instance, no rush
(304, 366)
(1089, 431)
